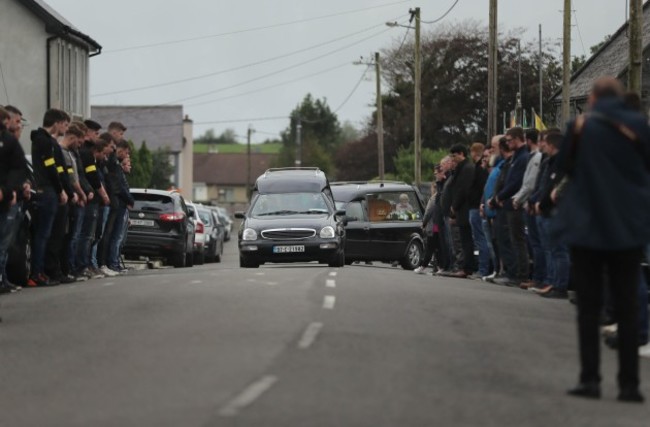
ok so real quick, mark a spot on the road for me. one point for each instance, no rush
(295, 345)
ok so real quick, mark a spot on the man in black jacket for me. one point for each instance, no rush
(50, 193)
(461, 186)
(13, 174)
(603, 217)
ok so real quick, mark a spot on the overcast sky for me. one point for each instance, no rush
(307, 46)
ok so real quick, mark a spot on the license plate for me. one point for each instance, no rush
(288, 249)
(142, 222)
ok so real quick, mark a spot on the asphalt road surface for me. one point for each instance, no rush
(295, 345)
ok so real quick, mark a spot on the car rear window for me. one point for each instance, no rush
(153, 202)
(205, 217)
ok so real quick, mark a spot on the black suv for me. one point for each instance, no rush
(160, 226)
(292, 218)
(384, 222)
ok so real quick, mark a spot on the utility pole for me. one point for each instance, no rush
(566, 64)
(248, 162)
(636, 46)
(541, 76)
(519, 105)
(492, 73)
(298, 161)
(380, 121)
(417, 131)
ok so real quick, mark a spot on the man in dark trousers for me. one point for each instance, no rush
(461, 186)
(603, 217)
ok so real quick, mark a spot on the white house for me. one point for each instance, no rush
(44, 61)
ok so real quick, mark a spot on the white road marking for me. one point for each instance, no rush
(330, 283)
(329, 302)
(333, 273)
(260, 274)
(248, 396)
(109, 284)
(309, 336)
(196, 282)
(271, 283)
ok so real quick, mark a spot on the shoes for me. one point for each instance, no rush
(41, 280)
(68, 278)
(95, 273)
(108, 272)
(7, 289)
(489, 277)
(475, 276)
(555, 293)
(588, 390)
(420, 270)
(542, 289)
(527, 285)
(506, 281)
(459, 274)
(630, 394)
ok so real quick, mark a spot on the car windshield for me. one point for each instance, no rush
(290, 204)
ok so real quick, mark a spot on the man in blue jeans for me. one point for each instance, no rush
(50, 193)
(475, 219)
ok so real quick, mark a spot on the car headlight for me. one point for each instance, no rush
(249, 234)
(327, 233)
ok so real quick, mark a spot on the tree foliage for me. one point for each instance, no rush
(321, 135)
(228, 136)
(162, 170)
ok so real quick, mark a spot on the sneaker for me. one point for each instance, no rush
(108, 272)
(555, 293)
(95, 273)
(543, 289)
(48, 281)
(118, 270)
(475, 276)
(68, 278)
(420, 270)
(7, 289)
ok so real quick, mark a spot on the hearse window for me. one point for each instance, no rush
(354, 211)
(393, 206)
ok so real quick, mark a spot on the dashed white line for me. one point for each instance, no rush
(108, 284)
(329, 302)
(330, 283)
(196, 282)
(309, 336)
(333, 274)
(248, 396)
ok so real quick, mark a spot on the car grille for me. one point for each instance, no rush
(288, 233)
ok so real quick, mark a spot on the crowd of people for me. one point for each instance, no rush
(78, 191)
(555, 211)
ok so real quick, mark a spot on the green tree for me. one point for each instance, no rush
(162, 170)
(405, 160)
(321, 135)
(145, 161)
(140, 175)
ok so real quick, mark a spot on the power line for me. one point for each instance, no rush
(345, 64)
(575, 15)
(144, 46)
(443, 16)
(241, 67)
(281, 70)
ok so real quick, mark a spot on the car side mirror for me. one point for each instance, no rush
(190, 214)
(240, 215)
(340, 213)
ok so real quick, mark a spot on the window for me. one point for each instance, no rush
(354, 211)
(394, 206)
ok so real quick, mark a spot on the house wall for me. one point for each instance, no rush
(187, 159)
(23, 62)
(23, 59)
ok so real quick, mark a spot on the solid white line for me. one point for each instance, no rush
(248, 396)
(309, 336)
(330, 283)
(329, 302)
(333, 274)
(196, 282)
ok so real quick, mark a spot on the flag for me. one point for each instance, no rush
(539, 124)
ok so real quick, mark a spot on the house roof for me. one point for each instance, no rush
(611, 59)
(160, 126)
(229, 169)
(57, 24)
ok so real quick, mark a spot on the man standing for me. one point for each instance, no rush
(476, 222)
(603, 217)
(514, 215)
(13, 172)
(460, 204)
(50, 193)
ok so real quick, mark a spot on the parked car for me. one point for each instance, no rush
(214, 233)
(226, 220)
(380, 227)
(292, 218)
(160, 226)
(199, 234)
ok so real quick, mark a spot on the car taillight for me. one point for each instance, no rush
(173, 217)
(200, 228)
